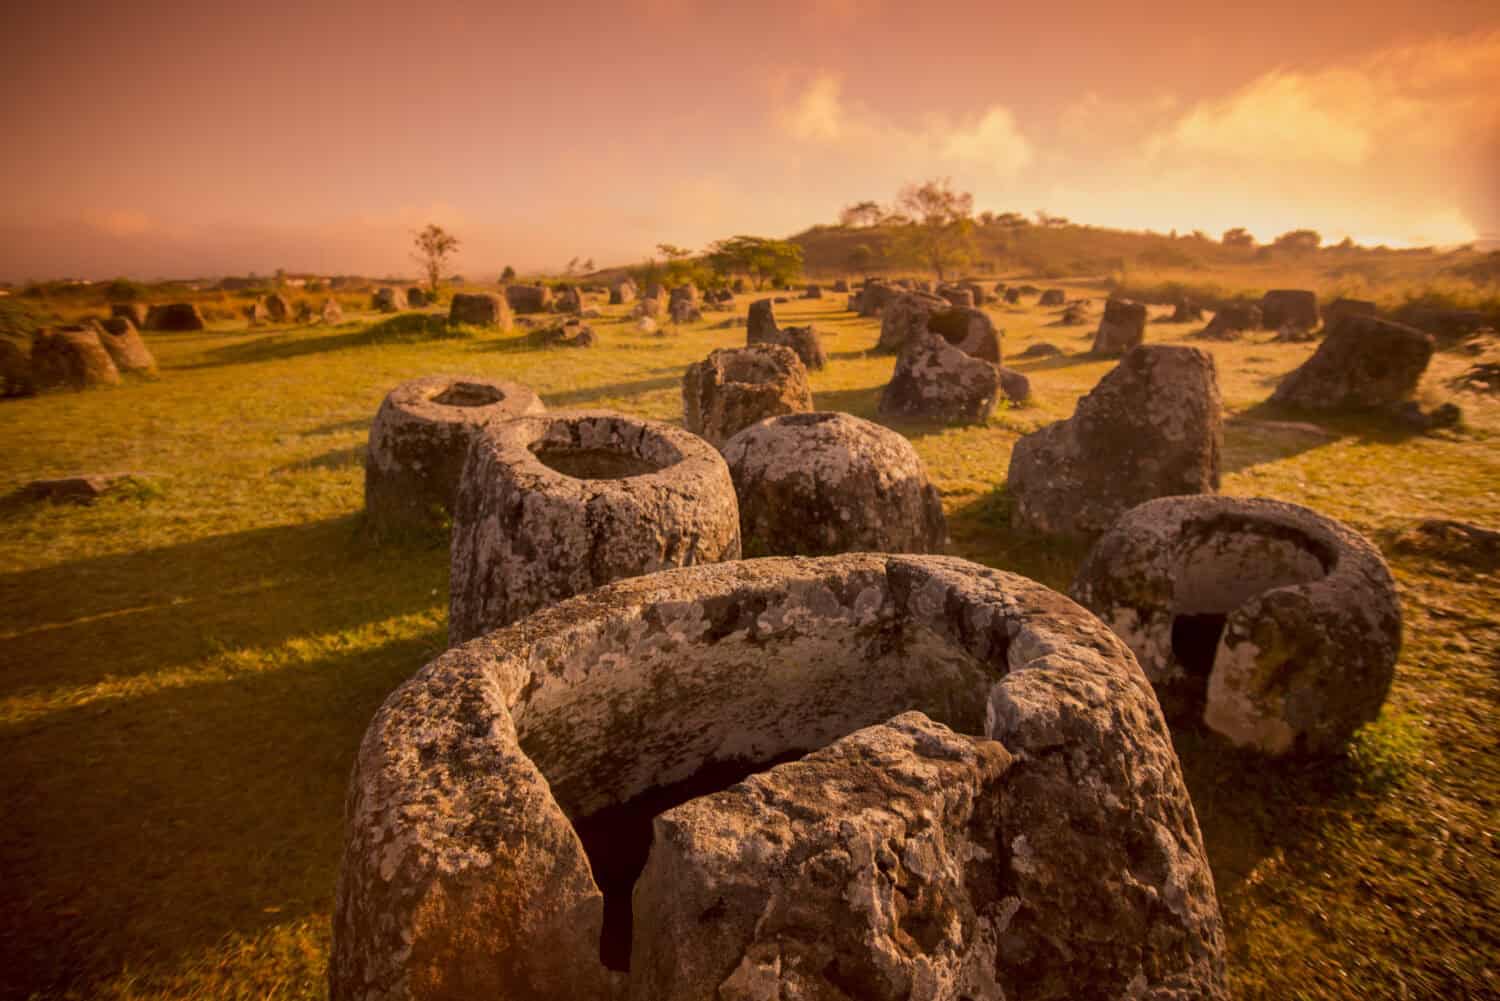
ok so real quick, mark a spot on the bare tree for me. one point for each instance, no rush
(434, 246)
(861, 214)
(941, 232)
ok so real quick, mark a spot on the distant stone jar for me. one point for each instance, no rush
(989, 806)
(552, 506)
(420, 438)
(480, 309)
(1152, 427)
(1283, 307)
(125, 346)
(936, 381)
(388, 300)
(1365, 363)
(821, 483)
(1122, 327)
(179, 317)
(1277, 626)
(736, 387)
(71, 358)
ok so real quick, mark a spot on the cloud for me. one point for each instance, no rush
(122, 222)
(993, 141)
(819, 116)
(1424, 97)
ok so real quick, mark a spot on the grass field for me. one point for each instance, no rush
(186, 670)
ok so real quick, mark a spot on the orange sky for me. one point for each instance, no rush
(183, 139)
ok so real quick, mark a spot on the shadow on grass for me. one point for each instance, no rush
(1056, 361)
(151, 828)
(1250, 807)
(863, 402)
(981, 531)
(581, 398)
(115, 618)
(403, 328)
(351, 457)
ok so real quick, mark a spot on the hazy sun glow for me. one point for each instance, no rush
(168, 139)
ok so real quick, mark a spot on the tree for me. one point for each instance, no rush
(1237, 237)
(434, 246)
(572, 265)
(509, 274)
(941, 232)
(588, 265)
(862, 259)
(1298, 240)
(861, 214)
(759, 258)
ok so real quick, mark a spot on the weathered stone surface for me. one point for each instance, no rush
(760, 323)
(331, 312)
(936, 381)
(841, 286)
(684, 310)
(1012, 295)
(1052, 297)
(1458, 542)
(956, 296)
(814, 484)
(968, 329)
(736, 387)
(812, 292)
(278, 307)
(760, 328)
(1231, 321)
(646, 325)
(15, 368)
(1289, 308)
(419, 439)
(571, 334)
(1122, 328)
(1074, 315)
(1363, 364)
(1015, 385)
(1041, 350)
(257, 313)
(388, 299)
(1411, 415)
(480, 309)
(132, 311)
(528, 298)
(77, 489)
(622, 293)
(875, 296)
(1152, 428)
(977, 291)
(1280, 627)
(556, 505)
(125, 346)
(1186, 311)
(418, 297)
(650, 308)
(1052, 853)
(1341, 307)
(570, 300)
(178, 317)
(71, 358)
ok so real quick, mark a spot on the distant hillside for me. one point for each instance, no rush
(1141, 260)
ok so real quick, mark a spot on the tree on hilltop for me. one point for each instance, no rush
(434, 246)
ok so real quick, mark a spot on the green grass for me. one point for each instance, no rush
(187, 669)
